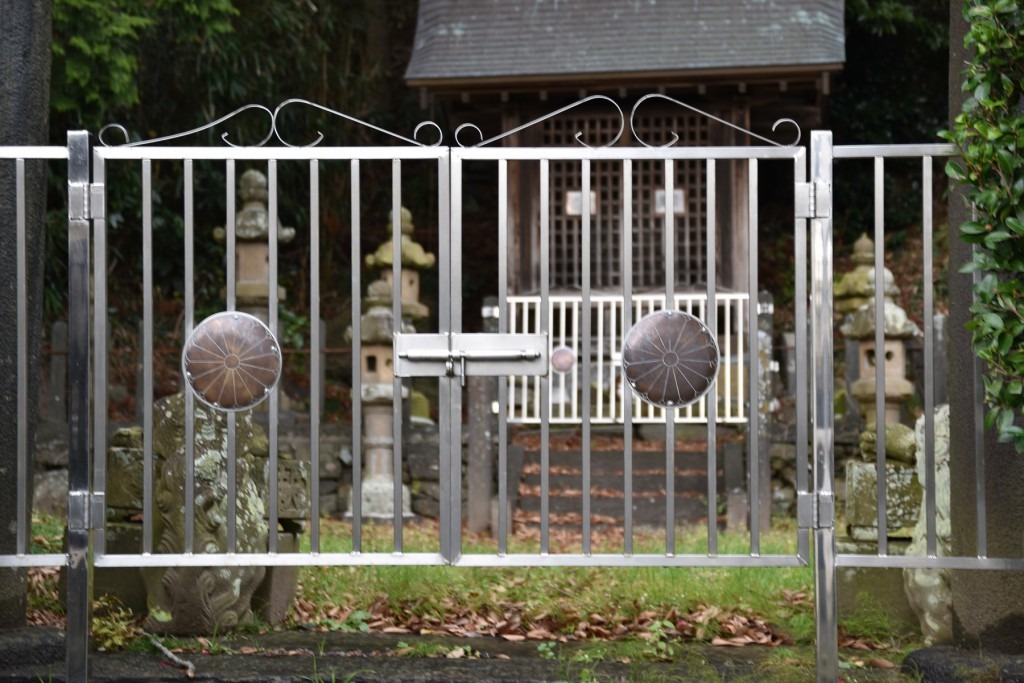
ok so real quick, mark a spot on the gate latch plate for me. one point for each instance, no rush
(470, 354)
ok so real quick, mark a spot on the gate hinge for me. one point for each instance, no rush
(813, 200)
(86, 201)
(86, 510)
(815, 510)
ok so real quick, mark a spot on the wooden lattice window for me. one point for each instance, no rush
(606, 214)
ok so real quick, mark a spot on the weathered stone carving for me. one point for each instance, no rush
(928, 590)
(188, 600)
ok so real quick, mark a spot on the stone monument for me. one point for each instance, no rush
(901, 487)
(192, 600)
(929, 590)
(377, 327)
(252, 250)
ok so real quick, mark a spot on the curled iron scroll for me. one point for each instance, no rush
(320, 136)
(579, 134)
(675, 137)
(175, 136)
(670, 359)
(274, 130)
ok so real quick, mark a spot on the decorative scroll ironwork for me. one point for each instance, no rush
(578, 137)
(274, 128)
(208, 126)
(675, 137)
(414, 140)
(670, 359)
(320, 136)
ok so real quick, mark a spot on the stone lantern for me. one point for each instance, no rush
(414, 259)
(252, 251)
(377, 396)
(377, 327)
(897, 328)
(856, 287)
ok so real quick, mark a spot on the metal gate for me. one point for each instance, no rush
(445, 351)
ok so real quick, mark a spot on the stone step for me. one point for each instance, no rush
(566, 513)
(565, 477)
(612, 461)
(568, 480)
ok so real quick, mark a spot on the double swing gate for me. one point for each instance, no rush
(231, 362)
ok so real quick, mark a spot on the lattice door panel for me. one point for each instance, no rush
(606, 206)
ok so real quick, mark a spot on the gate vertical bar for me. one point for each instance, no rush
(444, 325)
(445, 212)
(147, 360)
(78, 598)
(503, 321)
(800, 299)
(453, 301)
(626, 255)
(272, 322)
(822, 389)
(396, 382)
(881, 515)
(188, 324)
(545, 313)
(585, 339)
(980, 493)
(670, 305)
(711, 318)
(316, 404)
(754, 372)
(23, 515)
(929, 358)
(355, 296)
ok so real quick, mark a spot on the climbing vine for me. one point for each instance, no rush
(990, 135)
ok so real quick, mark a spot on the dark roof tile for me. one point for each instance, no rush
(512, 39)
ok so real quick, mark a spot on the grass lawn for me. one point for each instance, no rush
(576, 615)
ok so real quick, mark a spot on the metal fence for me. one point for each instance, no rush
(448, 354)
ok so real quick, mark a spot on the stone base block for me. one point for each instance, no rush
(273, 598)
(378, 500)
(902, 495)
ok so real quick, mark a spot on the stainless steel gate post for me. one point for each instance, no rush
(78, 595)
(822, 419)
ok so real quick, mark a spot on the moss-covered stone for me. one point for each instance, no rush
(124, 478)
(204, 600)
(903, 495)
(127, 437)
(899, 444)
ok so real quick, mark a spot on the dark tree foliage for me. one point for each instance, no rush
(892, 90)
(167, 66)
(989, 133)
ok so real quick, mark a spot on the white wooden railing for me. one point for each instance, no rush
(605, 338)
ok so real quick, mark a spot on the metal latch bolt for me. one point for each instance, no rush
(448, 355)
